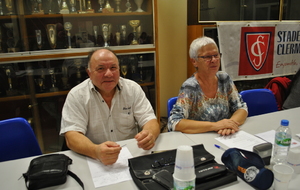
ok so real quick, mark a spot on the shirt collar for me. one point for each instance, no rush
(119, 85)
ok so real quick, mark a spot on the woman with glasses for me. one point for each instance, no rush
(208, 100)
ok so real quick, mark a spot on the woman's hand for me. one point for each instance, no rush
(226, 127)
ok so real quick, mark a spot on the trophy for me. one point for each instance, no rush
(117, 2)
(139, 5)
(128, 5)
(64, 78)
(78, 63)
(40, 83)
(68, 27)
(40, 7)
(9, 6)
(35, 6)
(101, 4)
(12, 38)
(51, 33)
(38, 35)
(89, 8)
(139, 33)
(10, 91)
(64, 8)
(1, 9)
(8, 73)
(53, 80)
(123, 34)
(59, 5)
(50, 7)
(82, 7)
(141, 69)
(134, 24)
(95, 29)
(118, 38)
(133, 67)
(107, 8)
(106, 29)
(124, 69)
(73, 7)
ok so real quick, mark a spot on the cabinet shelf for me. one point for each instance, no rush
(88, 15)
(68, 53)
(51, 94)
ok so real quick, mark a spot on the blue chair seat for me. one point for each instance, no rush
(17, 140)
(259, 101)
(170, 104)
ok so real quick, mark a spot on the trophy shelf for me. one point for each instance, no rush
(37, 72)
(68, 53)
(88, 15)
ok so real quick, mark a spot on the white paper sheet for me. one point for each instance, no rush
(270, 137)
(106, 175)
(241, 140)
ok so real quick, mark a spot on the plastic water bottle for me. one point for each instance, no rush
(282, 143)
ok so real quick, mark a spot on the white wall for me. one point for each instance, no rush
(172, 44)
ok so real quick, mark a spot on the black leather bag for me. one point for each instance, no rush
(49, 170)
(209, 174)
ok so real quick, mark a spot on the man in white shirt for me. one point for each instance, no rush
(106, 108)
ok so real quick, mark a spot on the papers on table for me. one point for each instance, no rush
(246, 141)
(106, 175)
(270, 137)
(241, 140)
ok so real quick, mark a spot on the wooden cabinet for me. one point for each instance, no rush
(44, 50)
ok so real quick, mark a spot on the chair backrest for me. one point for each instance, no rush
(170, 104)
(259, 101)
(17, 140)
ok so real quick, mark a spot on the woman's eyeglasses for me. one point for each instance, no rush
(208, 58)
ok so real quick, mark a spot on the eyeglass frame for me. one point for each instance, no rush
(162, 162)
(216, 56)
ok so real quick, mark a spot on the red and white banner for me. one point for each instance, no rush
(256, 50)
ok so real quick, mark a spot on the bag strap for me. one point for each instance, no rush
(76, 178)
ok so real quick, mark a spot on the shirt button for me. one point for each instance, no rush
(111, 130)
(102, 100)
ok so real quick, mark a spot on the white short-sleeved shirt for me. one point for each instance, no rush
(86, 111)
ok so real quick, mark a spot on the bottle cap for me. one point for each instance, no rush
(284, 122)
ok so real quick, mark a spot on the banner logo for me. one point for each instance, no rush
(257, 45)
(256, 50)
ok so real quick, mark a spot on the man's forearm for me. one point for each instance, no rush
(81, 144)
(153, 127)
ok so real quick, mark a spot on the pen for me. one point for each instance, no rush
(123, 145)
(219, 147)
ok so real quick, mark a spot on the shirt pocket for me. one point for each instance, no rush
(126, 119)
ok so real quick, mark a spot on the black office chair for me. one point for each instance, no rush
(17, 140)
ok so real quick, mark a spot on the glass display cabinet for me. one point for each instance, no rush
(43, 54)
